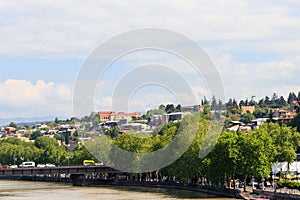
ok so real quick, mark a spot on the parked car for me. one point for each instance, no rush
(50, 165)
(5, 167)
(41, 165)
(99, 164)
(14, 166)
(27, 164)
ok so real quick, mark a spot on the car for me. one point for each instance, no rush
(99, 164)
(41, 165)
(14, 166)
(27, 165)
(5, 167)
(50, 165)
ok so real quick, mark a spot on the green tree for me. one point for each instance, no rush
(12, 124)
(81, 154)
(256, 153)
(56, 120)
(286, 140)
(170, 108)
(36, 134)
(234, 104)
(213, 103)
(113, 132)
(247, 117)
(229, 104)
(14, 148)
(292, 96)
(178, 108)
(52, 152)
(296, 122)
(187, 167)
(162, 107)
(221, 162)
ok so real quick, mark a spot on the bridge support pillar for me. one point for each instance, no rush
(77, 179)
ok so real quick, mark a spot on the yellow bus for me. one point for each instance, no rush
(88, 162)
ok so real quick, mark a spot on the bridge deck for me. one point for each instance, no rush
(57, 170)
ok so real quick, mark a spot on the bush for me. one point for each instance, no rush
(288, 184)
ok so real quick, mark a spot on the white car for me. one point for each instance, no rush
(50, 165)
(27, 165)
(99, 164)
(41, 165)
(14, 166)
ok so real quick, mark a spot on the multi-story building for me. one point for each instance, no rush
(113, 116)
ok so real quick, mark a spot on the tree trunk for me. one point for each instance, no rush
(233, 182)
(245, 179)
(225, 181)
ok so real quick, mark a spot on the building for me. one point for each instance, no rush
(295, 105)
(10, 130)
(280, 113)
(135, 127)
(283, 116)
(287, 118)
(124, 115)
(177, 116)
(106, 116)
(109, 124)
(156, 120)
(256, 123)
(195, 108)
(244, 109)
(113, 116)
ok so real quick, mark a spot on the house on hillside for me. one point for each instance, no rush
(10, 130)
(195, 108)
(135, 127)
(113, 116)
(283, 116)
(177, 116)
(295, 105)
(244, 109)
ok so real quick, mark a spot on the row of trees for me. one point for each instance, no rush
(252, 154)
(274, 101)
(235, 155)
(42, 150)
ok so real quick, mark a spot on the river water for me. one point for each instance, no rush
(21, 190)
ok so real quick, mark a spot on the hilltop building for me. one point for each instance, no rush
(113, 116)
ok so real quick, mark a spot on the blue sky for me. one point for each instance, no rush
(254, 44)
(34, 69)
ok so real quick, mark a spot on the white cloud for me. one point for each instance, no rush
(21, 97)
(244, 79)
(68, 28)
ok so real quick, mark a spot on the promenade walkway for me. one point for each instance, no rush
(268, 193)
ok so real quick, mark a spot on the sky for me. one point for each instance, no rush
(43, 45)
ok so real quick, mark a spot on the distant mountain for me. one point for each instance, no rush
(30, 120)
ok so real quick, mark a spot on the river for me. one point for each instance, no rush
(21, 190)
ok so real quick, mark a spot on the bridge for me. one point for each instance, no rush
(77, 173)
